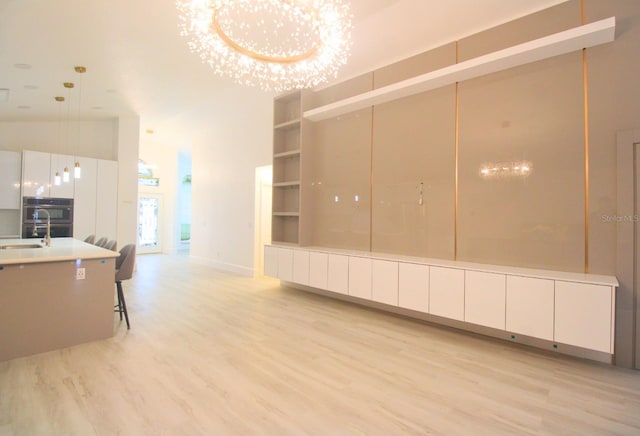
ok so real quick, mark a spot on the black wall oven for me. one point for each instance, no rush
(59, 209)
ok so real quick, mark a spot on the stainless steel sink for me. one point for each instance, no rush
(19, 246)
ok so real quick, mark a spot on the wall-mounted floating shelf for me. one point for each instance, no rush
(588, 35)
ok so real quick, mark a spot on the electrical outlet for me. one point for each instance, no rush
(80, 274)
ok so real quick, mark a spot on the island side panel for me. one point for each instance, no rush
(43, 307)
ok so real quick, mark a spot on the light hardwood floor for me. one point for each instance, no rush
(212, 353)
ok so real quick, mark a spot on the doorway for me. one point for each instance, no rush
(262, 220)
(149, 230)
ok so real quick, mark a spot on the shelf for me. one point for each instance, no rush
(286, 213)
(286, 184)
(292, 153)
(288, 125)
(588, 35)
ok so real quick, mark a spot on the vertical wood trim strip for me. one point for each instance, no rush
(373, 109)
(586, 147)
(457, 143)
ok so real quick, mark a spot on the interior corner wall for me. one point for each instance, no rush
(236, 139)
(128, 134)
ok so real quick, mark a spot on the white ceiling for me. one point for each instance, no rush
(138, 63)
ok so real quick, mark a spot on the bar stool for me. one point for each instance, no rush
(89, 239)
(100, 242)
(111, 245)
(124, 271)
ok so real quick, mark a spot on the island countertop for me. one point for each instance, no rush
(61, 249)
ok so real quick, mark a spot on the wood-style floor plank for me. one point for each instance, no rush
(213, 353)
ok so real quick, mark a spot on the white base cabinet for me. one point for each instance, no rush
(446, 292)
(484, 299)
(529, 306)
(564, 308)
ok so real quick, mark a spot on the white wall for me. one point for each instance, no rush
(237, 139)
(127, 152)
(164, 162)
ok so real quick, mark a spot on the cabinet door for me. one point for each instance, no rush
(85, 200)
(446, 292)
(360, 277)
(36, 167)
(413, 287)
(384, 282)
(58, 163)
(338, 277)
(107, 199)
(484, 299)
(10, 179)
(530, 307)
(270, 261)
(319, 270)
(583, 315)
(285, 264)
(301, 267)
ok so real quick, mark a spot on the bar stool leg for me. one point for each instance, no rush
(122, 302)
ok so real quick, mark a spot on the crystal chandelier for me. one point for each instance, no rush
(277, 45)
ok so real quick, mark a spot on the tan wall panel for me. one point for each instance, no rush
(555, 19)
(532, 113)
(416, 65)
(614, 105)
(340, 165)
(414, 141)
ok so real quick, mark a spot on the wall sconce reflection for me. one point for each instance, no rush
(421, 198)
(356, 198)
(505, 169)
(336, 199)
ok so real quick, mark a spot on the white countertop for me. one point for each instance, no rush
(472, 266)
(61, 249)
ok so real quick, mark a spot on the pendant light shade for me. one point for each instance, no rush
(65, 175)
(56, 179)
(77, 171)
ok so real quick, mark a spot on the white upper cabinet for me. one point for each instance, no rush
(84, 199)
(384, 282)
(36, 169)
(58, 162)
(107, 199)
(10, 179)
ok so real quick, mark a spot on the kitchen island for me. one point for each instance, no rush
(54, 297)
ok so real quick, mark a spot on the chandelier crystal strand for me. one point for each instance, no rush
(277, 45)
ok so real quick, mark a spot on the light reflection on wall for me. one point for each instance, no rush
(505, 169)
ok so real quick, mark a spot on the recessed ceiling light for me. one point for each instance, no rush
(22, 66)
(111, 91)
(97, 108)
(24, 107)
(150, 131)
(30, 87)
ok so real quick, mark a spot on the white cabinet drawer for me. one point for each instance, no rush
(484, 299)
(446, 292)
(338, 278)
(384, 282)
(360, 277)
(319, 270)
(530, 306)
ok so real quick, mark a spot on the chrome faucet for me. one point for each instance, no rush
(47, 236)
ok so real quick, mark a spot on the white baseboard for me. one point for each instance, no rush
(230, 267)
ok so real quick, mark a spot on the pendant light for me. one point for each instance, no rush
(69, 86)
(56, 178)
(77, 171)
